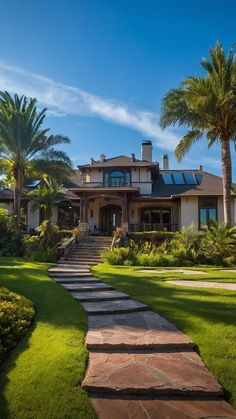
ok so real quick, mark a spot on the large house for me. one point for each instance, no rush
(134, 194)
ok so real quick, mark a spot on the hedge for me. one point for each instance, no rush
(16, 314)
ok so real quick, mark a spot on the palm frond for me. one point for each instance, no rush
(186, 143)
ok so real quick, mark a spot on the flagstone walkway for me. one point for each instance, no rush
(140, 365)
(204, 284)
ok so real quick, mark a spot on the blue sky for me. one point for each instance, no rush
(103, 67)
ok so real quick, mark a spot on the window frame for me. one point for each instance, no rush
(207, 208)
(108, 174)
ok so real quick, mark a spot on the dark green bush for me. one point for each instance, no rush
(11, 242)
(215, 245)
(16, 314)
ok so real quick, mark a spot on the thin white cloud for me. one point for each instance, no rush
(61, 100)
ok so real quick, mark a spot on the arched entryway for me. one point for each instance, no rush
(110, 218)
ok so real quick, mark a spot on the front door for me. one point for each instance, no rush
(110, 218)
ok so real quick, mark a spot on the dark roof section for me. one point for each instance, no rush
(210, 185)
(6, 195)
(75, 181)
(119, 161)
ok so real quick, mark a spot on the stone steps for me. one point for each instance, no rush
(140, 365)
(100, 296)
(114, 307)
(74, 262)
(77, 281)
(65, 274)
(121, 407)
(142, 330)
(86, 261)
(86, 288)
(172, 373)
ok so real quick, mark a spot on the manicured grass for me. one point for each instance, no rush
(212, 274)
(208, 316)
(41, 379)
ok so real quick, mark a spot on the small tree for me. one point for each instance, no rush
(47, 195)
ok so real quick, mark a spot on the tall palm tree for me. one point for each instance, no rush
(24, 144)
(47, 195)
(207, 105)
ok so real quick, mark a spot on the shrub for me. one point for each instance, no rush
(118, 256)
(11, 242)
(44, 254)
(218, 242)
(16, 314)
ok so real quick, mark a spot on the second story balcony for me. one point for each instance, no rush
(117, 178)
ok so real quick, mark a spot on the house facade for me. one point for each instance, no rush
(134, 194)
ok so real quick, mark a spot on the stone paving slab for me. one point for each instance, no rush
(165, 408)
(78, 280)
(134, 331)
(69, 269)
(77, 274)
(203, 284)
(100, 296)
(167, 271)
(169, 373)
(86, 287)
(113, 307)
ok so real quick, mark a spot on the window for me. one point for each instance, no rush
(189, 178)
(167, 179)
(117, 178)
(156, 216)
(199, 179)
(207, 211)
(181, 178)
(178, 178)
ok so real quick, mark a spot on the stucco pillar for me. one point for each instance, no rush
(125, 215)
(83, 224)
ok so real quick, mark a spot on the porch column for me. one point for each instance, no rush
(83, 224)
(125, 215)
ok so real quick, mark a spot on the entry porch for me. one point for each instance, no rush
(102, 213)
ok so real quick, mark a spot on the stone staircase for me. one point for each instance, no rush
(140, 365)
(88, 251)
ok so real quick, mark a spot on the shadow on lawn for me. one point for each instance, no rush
(157, 293)
(53, 305)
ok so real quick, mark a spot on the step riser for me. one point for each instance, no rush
(116, 311)
(98, 300)
(66, 275)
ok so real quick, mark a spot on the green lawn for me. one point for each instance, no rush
(41, 379)
(207, 315)
(212, 274)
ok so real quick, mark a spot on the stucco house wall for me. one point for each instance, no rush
(189, 211)
(6, 205)
(141, 178)
(33, 217)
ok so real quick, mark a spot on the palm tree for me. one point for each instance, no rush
(24, 144)
(207, 105)
(47, 195)
(218, 240)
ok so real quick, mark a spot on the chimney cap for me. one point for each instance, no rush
(200, 167)
(102, 158)
(133, 157)
(146, 142)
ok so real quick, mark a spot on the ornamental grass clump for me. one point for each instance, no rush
(16, 314)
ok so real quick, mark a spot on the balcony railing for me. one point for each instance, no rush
(136, 228)
(114, 182)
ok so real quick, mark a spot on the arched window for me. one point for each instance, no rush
(117, 178)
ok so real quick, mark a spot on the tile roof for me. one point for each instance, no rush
(119, 161)
(210, 185)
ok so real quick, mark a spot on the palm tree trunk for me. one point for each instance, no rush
(227, 179)
(17, 197)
